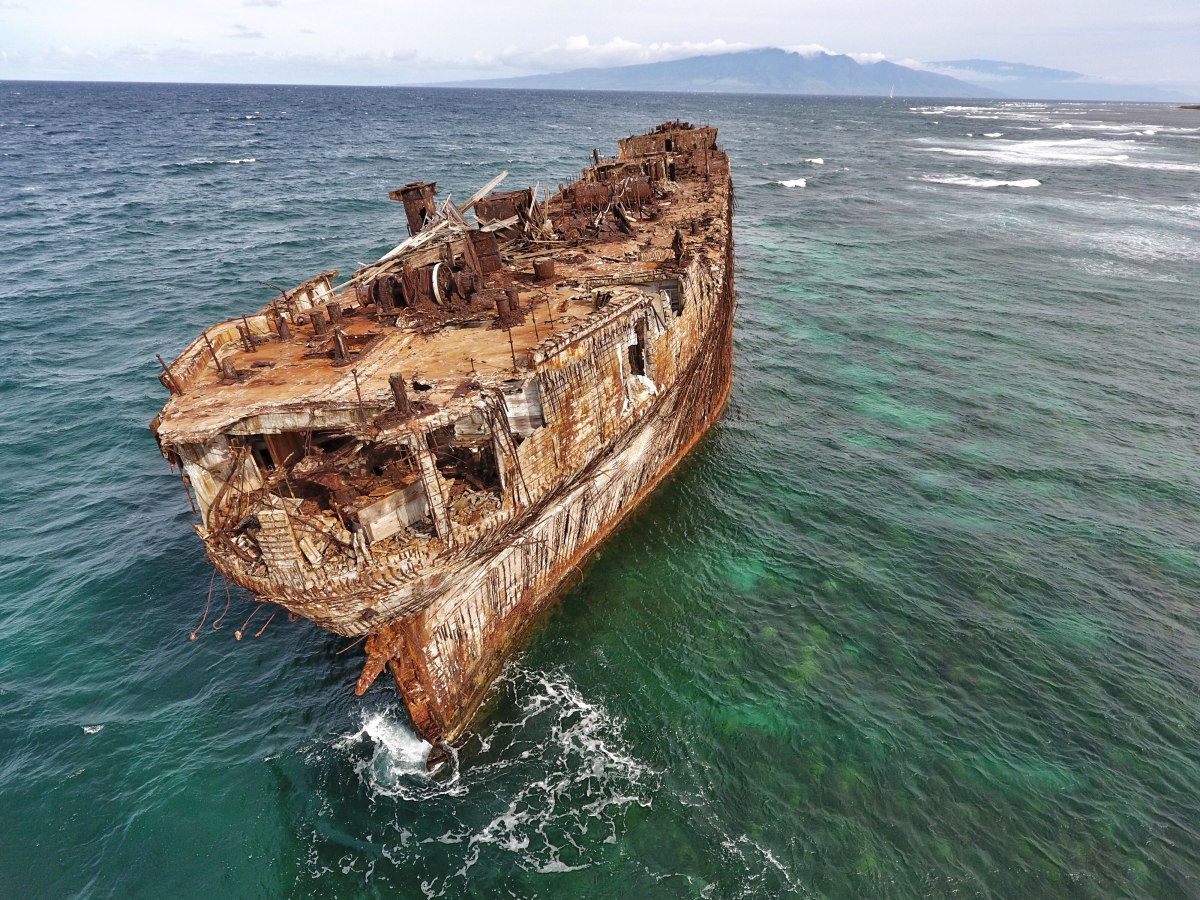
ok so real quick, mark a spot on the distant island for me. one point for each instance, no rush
(772, 70)
(764, 71)
(1039, 83)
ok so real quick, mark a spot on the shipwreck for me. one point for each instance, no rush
(420, 455)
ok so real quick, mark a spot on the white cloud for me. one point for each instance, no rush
(241, 31)
(808, 50)
(866, 59)
(971, 75)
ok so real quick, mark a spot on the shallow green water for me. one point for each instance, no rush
(918, 620)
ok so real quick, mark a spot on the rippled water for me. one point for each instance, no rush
(919, 620)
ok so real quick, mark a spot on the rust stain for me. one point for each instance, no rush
(423, 454)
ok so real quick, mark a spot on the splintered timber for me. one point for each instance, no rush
(421, 454)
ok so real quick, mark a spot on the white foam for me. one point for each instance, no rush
(794, 183)
(994, 134)
(1068, 152)
(236, 162)
(1081, 151)
(557, 778)
(1142, 244)
(817, 161)
(971, 181)
(92, 729)
(397, 766)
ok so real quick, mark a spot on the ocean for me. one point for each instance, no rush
(919, 619)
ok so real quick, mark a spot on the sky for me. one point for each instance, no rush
(1151, 42)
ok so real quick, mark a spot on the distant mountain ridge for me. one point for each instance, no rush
(772, 70)
(1039, 83)
(768, 70)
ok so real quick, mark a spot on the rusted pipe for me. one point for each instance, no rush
(400, 393)
(543, 268)
(248, 336)
(341, 351)
(172, 385)
(211, 349)
(358, 391)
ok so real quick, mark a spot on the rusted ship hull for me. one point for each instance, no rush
(440, 523)
(445, 658)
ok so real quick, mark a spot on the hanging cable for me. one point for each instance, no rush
(207, 604)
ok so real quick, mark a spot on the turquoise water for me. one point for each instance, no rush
(918, 620)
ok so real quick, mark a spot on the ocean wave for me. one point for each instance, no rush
(397, 764)
(1109, 269)
(951, 110)
(794, 183)
(1081, 151)
(971, 181)
(558, 776)
(238, 162)
(1143, 244)
(816, 161)
(1070, 152)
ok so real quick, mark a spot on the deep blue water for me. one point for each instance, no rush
(919, 619)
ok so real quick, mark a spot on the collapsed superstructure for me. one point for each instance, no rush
(423, 453)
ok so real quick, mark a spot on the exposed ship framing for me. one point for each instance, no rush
(422, 454)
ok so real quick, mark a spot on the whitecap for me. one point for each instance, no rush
(971, 181)
(398, 761)
(794, 183)
(1069, 152)
(92, 729)
(235, 162)
(1083, 151)
(994, 134)
(565, 769)
(816, 161)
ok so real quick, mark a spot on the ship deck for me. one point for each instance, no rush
(438, 350)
